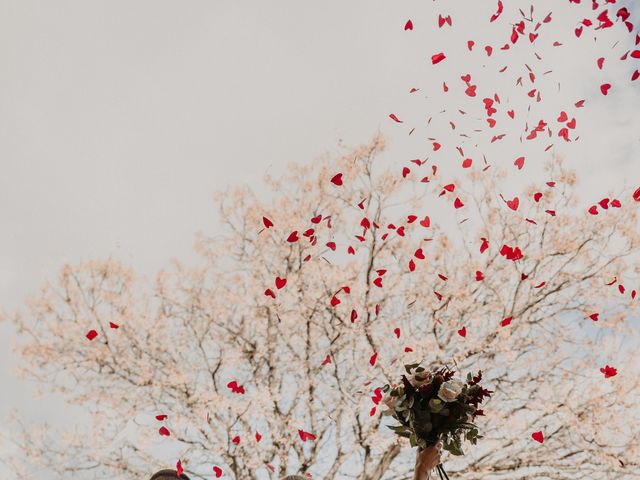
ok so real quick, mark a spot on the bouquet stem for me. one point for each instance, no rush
(442, 472)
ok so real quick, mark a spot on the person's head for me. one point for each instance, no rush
(168, 474)
(295, 477)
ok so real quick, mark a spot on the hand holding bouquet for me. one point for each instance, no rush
(432, 407)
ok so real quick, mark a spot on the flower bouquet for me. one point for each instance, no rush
(432, 406)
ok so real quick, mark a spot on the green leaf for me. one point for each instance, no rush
(453, 446)
(466, 425)
(471, 434)
(397, 428)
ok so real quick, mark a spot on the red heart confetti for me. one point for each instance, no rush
(513, 204)
(235, 388)
(519, 162)
(608, 371)
(372, 360)
(437, 58)
(304, 436)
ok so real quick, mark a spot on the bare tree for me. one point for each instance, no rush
(380, 268)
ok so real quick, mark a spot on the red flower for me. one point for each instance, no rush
(478, 397)
(476, 379)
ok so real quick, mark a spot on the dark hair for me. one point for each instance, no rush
(168, 474)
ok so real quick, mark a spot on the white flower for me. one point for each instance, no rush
(450, 390)
(390, 402)
(423, 378)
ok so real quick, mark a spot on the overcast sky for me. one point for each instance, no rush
(120, 119)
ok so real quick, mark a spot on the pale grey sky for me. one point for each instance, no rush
(119, 119)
